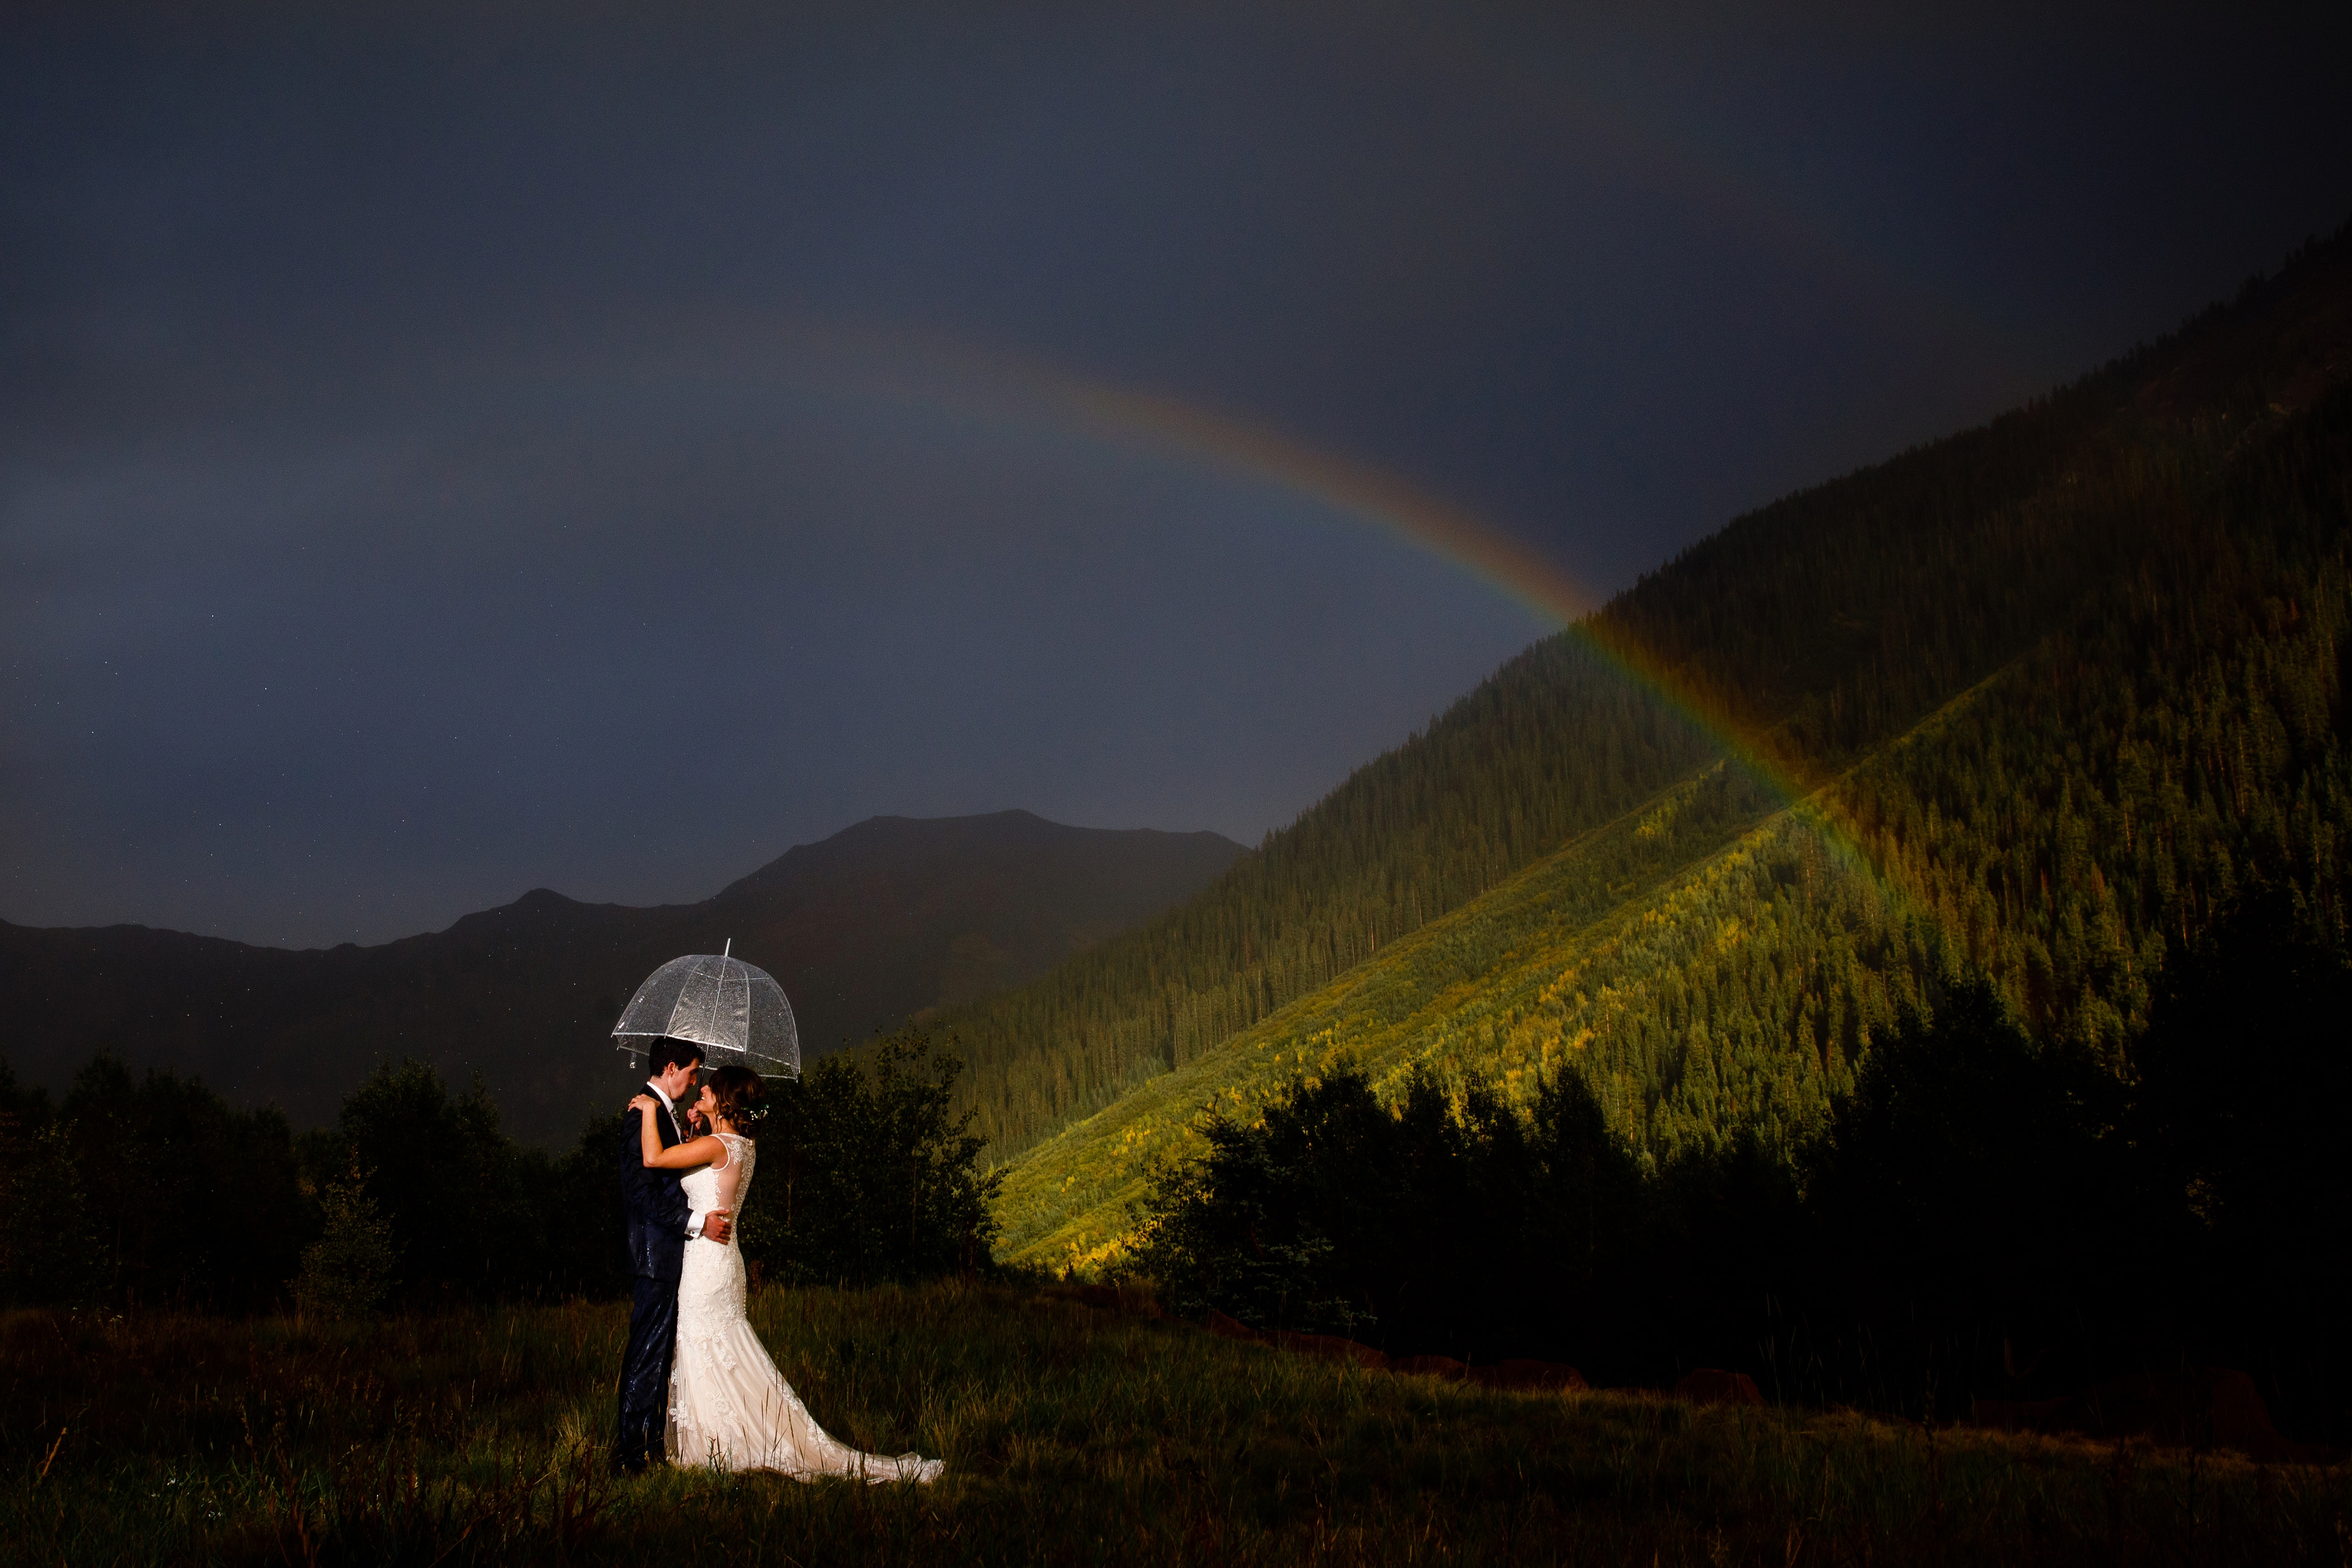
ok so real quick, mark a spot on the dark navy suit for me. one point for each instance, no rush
(654, 1206)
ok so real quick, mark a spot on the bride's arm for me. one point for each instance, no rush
(702, 1150)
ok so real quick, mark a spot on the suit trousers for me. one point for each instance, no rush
(644, 1374)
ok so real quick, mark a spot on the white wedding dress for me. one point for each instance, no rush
(729, 1408)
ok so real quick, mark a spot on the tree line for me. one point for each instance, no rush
(1982, 1215)
(154, 1192)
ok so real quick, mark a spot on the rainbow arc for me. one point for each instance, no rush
(1468, 543)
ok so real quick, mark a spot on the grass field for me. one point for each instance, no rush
(1071, 1435)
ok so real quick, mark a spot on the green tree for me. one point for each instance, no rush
(347, 1271)
(470, 1209)
(173, 1197)
(49, 1253)
(866, 1173)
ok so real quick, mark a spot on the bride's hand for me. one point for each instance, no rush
(642, 1102)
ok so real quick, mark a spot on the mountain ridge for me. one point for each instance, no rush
(862, 928)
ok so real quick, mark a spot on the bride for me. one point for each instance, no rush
(729, 1408)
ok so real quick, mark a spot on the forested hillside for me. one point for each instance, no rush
(1714, 964)
(2107, 517)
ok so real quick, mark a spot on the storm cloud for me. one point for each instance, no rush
(446, 453)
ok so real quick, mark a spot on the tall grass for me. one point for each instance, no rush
(1071, 1435)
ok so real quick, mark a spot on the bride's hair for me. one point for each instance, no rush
(739, 1097)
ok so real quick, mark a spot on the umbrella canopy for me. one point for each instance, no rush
(734, 1011)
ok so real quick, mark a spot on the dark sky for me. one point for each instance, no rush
(600, 446)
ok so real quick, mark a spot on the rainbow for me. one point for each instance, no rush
(1354, 488)
(1401, 509)
(1451, 533)
(994, 386)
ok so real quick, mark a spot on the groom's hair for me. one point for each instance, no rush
(670, 1053)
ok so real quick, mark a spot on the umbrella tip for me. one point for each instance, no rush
(728, 951)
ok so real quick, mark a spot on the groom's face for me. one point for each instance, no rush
(677, 1080)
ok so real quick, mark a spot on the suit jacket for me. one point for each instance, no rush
(654, 1202)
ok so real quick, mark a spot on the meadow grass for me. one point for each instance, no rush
(1071, 1435)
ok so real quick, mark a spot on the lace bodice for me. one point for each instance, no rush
(716, 1186)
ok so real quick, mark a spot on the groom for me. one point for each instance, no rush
(659, 1226)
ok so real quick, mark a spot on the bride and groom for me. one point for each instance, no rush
(696, 1385)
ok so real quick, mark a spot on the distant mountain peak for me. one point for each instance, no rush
(864, 930)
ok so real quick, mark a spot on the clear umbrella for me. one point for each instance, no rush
(734, 1011)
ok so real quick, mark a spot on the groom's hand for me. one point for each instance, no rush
(714, 1226)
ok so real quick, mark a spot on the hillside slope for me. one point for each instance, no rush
(1713, 964)
(879, 921)
(1815, 630)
